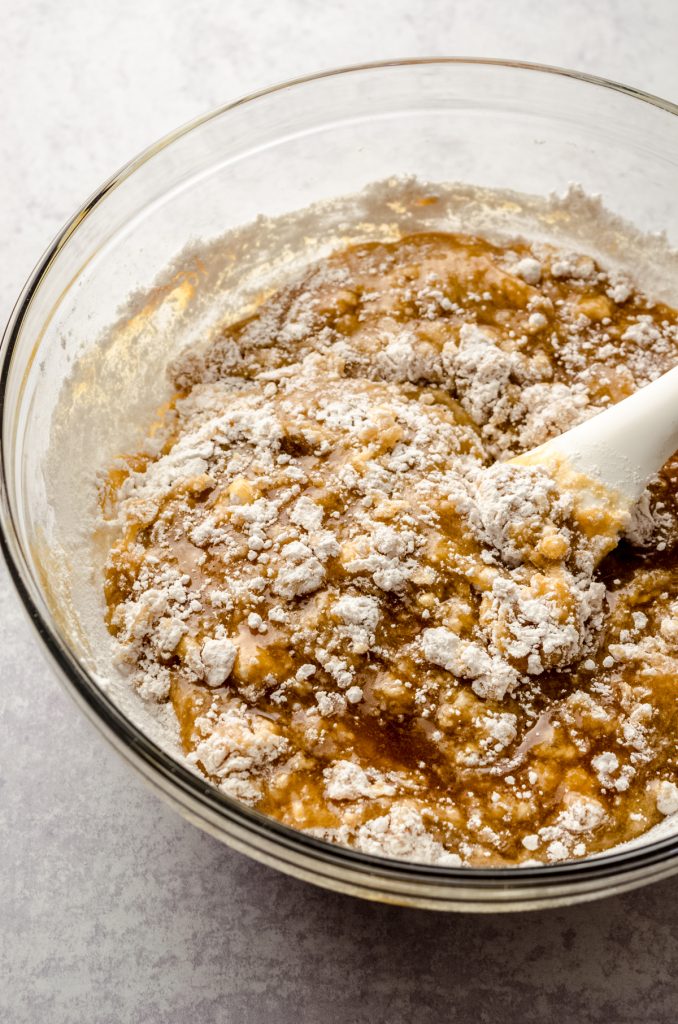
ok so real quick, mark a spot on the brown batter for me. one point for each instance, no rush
(371, 627)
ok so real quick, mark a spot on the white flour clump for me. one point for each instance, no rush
(345, 780)
(300, 572)
(516, 504)
(535, 617)
(491, 676)
(359, 616)
(481, 372)
(307, 513)
(238, 747)
(526, 624)
(218, 657)
(667, 797)
(402, 834)
(529, 269)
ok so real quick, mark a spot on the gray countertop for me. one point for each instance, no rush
(112, 909)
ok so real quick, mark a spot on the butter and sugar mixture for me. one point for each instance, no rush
(371, 626)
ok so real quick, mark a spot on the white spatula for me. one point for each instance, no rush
(607, 461)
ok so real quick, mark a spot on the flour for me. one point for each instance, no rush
(308, 514)
(345, 780)
(529, 270)
(667, 797)
(330, 704)
(402, 834)
(605, 766)
(237, 747)
(566, 837)
(359, 616)
(481, 372)
(218, 657)
(302, 574)
(491, 676)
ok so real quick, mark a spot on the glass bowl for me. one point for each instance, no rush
(74, 392)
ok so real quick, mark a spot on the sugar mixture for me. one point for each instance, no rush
(371, 626)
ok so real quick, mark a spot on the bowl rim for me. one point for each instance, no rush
(134, 744)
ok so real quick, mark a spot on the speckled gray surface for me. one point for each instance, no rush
(111, 908)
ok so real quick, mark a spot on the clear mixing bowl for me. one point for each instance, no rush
(74, 393)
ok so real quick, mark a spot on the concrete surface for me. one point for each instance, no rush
(111, 908)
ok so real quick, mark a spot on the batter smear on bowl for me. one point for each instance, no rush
(369, 625)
